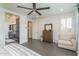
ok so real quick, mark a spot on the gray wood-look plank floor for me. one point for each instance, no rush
(48, 49)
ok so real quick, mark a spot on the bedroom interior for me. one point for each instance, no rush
(39, 29)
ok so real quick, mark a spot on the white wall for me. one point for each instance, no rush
(23, 29)
(35, 31)
(78, 37)
(1, 4)
(2, 27)
(38, 25)
(77, 29)
(11, 20)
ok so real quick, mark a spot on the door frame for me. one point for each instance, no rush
(18, 18)
(28, 30)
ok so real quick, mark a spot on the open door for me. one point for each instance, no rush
(29, 29)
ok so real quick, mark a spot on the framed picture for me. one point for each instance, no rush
(48, 27)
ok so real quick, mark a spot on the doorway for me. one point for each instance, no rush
(29, 30)
(12, 22)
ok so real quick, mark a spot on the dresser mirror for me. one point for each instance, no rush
(48, 27)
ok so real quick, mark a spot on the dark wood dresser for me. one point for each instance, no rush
(48, 34)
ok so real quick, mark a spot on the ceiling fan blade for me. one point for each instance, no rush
(43, 8)
(38, 12)
(29, 13)
(25, 7)
(34, 5)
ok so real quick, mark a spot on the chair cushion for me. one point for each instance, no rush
(65, 42)
(68, 36)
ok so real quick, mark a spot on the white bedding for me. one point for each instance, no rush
(15, 49)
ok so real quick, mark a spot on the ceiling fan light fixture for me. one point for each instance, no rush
(34, 9)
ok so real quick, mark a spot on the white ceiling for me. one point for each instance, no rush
(54, 8)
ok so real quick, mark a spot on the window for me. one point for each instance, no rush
(66, 23)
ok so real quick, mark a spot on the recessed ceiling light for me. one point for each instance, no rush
(61, 10)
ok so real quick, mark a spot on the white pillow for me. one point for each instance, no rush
(66, 36)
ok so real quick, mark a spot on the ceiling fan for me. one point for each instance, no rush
(34, 9)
